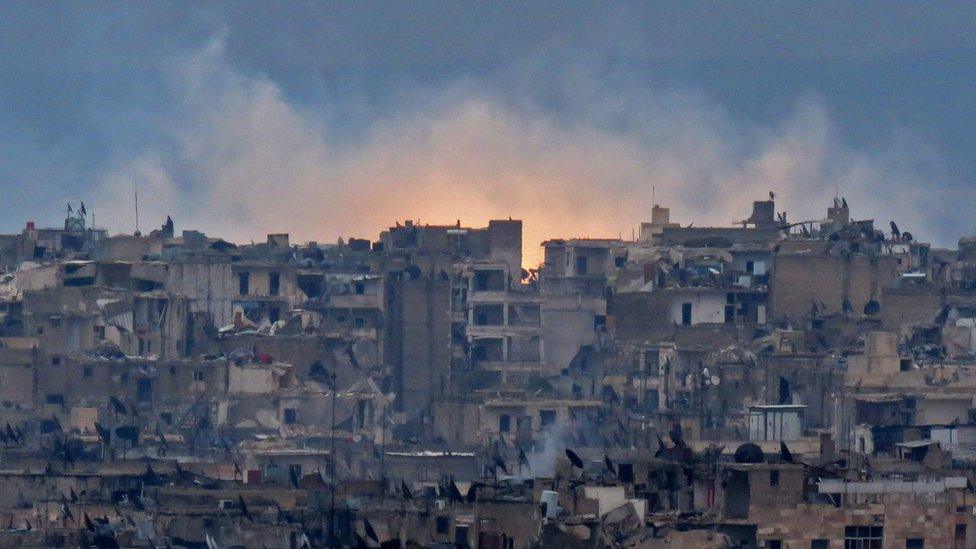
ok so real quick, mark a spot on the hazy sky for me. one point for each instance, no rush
(328, 120)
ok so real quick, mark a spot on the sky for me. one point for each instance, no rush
(331, 120)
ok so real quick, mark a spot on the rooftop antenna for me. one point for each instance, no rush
(653, 195)
(135, 187)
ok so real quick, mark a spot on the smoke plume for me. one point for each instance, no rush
(238, 159)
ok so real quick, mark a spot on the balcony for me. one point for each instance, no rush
(355, 301)
(475, 331)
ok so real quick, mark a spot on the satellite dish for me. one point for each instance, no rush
(714, 380)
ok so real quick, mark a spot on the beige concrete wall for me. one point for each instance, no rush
(798, 279)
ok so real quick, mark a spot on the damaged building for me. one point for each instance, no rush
(775, 383)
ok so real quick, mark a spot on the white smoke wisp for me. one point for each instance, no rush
(241, 161)
(543, 463)
(553, 443)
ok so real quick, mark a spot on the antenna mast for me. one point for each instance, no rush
(135, 187)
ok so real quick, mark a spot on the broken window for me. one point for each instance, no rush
(489, 281)
(459, 296)
(785, 393)
(626, 472)
(547, 417)
(290, 416)
(651, 362)
(144, 389)
(774, 477)
(87, 371)
(443, 524)
(243, 283)
(274, 283)
(55, 399)
(458, 336)
(148, 285)
(863, 537)
(599, 322)
(580, 266)
(686, 314)
(489, 315)
(311, 285)
(360, 288)
(489, 350)
(461, 536)
(504, 423)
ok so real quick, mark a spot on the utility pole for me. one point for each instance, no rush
(701, 399)
(333, 538)
(383, 445)
(643, 393)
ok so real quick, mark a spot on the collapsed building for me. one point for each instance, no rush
(771, 384)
